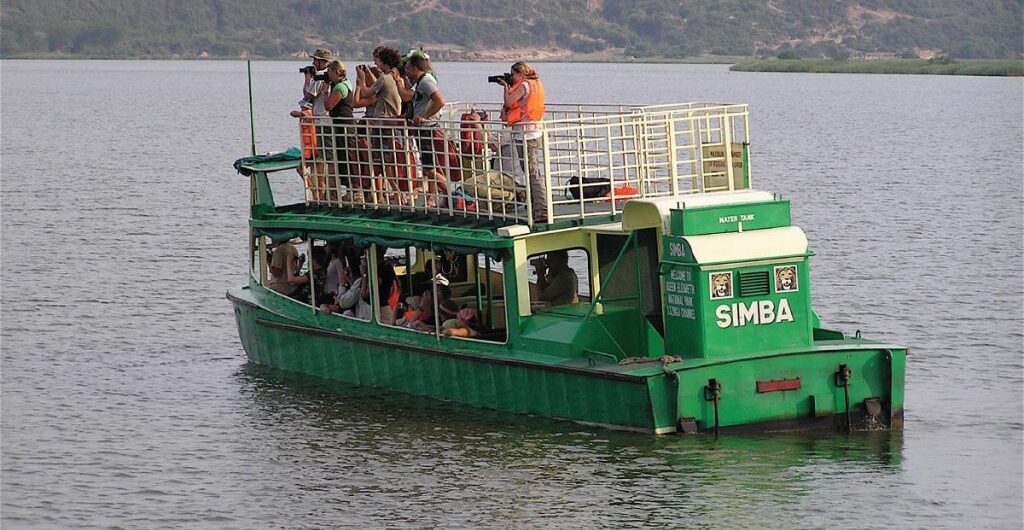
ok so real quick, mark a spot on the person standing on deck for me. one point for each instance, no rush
(523, 109)
(427, 101)
(381, 93)
(314, 94)
(339, 104)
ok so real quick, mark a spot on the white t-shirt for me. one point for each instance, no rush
(319, 91)
(333, 271)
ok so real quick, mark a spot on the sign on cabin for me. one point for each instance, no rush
(749, 305)
(716, 169)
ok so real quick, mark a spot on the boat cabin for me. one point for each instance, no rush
(650, 242)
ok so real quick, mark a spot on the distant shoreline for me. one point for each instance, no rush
(969, 67)
(974, 67)
(437, 57)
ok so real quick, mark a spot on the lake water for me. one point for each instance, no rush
(127, 401)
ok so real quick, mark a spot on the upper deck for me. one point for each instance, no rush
(591, 160)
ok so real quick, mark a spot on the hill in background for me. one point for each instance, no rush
(504, 29)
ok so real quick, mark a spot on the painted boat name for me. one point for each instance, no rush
(758, 312)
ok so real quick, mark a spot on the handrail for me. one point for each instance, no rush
(590, 159)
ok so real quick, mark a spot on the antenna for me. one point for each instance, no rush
(252, 127)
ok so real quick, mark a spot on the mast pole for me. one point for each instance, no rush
(252, 127)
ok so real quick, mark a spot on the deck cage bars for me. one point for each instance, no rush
(626, 152)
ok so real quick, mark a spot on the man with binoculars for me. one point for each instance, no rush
(314, 91)
(557, 282)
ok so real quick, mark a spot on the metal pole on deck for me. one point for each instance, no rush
(252, 126)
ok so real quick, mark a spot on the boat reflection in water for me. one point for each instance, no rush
(365, 445)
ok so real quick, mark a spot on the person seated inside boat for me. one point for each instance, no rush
(352, 298)
(421, 314)
(417, 308)
(336, 268)
(557, 282)
(387, 287)
(452, 266)
(284, 270)
(465, 324)
(318, 268)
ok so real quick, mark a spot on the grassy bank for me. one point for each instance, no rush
(886, 66)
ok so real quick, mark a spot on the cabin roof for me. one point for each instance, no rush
(648, 213)
(769, 243)
(381, 225)
(269, 162)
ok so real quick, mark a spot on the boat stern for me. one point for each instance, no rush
(832, 387)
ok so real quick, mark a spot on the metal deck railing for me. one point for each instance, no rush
(590, 159)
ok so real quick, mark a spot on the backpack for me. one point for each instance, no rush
(592, 188)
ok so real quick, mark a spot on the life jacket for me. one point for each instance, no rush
(395, 295)
(307, 131)
(471, 134)
(446, 157)
(534, 108)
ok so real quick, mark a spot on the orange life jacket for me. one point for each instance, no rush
(395, 295)
(307, 131)
(534, 109)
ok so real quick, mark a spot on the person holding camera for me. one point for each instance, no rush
(313, 89)
(427, 101)
(314, 95)
(556, 280)
(381, 93)
(523, 111)
(339, 104)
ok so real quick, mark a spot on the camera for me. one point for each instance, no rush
(308, 69)
(321, 76)
(539, 263)
(499, 78)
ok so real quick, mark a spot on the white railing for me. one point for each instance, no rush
(589, 160)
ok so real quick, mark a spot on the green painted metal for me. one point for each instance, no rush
(514, 377)
(699, 326)
(755, 357)
(876, 373)
(368, 354)
(746, 165)
(410, 230)
(729, 218)
(263, 201)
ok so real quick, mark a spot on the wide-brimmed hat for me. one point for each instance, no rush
(323, 54)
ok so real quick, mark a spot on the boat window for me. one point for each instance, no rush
(444, 292)
(559, 277)
(408, 302)
(628, 268)
(288, 268)
(340, 279)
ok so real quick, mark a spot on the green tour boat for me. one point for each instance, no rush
(611, 266)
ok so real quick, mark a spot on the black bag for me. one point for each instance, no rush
(593, 188)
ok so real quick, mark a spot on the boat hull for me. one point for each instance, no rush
(651, 398)
(619, 401)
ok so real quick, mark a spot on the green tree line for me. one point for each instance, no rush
(672, 29)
